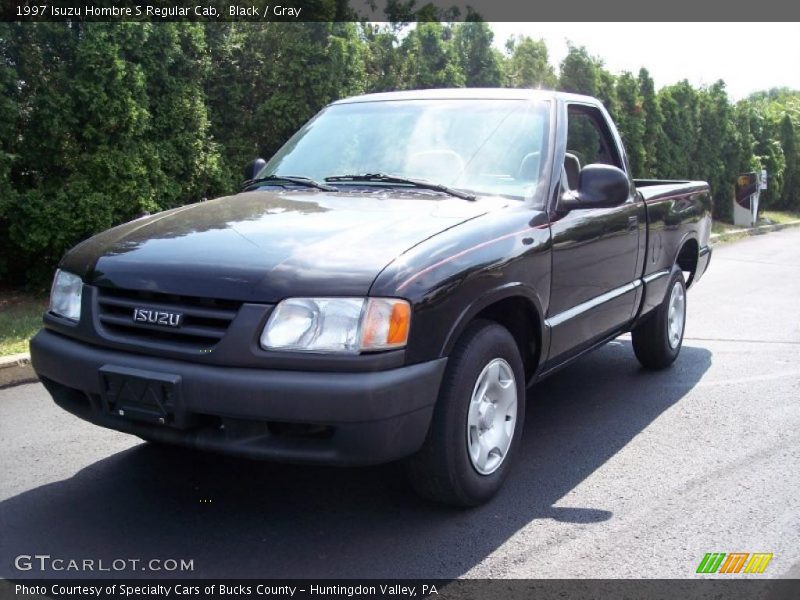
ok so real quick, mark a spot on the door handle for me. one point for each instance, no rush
(633, 223)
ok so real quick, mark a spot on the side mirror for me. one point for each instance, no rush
(599, 186)
(251, 170)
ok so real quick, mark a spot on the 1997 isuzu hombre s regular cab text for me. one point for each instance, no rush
(385, 287)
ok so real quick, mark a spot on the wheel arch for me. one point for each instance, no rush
(687, 257)
(515, 307)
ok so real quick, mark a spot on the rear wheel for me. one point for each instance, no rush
(658, 339)
(477, 423)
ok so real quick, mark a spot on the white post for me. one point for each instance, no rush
(743, 217)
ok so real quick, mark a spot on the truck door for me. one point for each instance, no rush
(595, 251)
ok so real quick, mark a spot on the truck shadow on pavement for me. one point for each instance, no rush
(237, 518)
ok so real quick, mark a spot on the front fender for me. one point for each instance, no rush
(513, 289)
(451, 277)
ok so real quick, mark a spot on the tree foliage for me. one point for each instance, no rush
(477, 58)
(681, 132)
(630, 120)
(529, 64)
(653, 121)
(100, 122)
(790, 196)
(430, 58)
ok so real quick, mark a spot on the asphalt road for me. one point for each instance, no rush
(623, 472)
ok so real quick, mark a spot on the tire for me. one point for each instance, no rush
(443, 470)
(654, 343)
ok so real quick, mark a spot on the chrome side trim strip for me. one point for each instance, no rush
(657, 275)
(583, 307)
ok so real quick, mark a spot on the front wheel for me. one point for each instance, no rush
(657, 340)
(478, 420)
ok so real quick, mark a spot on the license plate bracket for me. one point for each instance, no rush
(146, 396)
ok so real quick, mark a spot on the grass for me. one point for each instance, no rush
(20, 318)
(765, 217)
(722, 227)
(779, 216)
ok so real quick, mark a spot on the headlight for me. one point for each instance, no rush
(346, 325)
(65, 295)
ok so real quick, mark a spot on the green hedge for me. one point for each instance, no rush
(100, 122)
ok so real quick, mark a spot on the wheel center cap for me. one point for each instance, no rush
(487, 415)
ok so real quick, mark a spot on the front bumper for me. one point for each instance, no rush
(343, 418)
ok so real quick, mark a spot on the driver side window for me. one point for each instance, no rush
(588, 142)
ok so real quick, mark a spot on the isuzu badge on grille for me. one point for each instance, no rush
(157, 317)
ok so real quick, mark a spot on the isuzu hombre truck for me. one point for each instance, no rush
(386, 287)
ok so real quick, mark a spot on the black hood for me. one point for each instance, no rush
(263, 246)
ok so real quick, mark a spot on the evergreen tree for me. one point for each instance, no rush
(9, 118)
(232, 91)
(676, 154)
(630, 121)
(746, 142)
(607, 91)
(580, 73)
(478, 60)
(383, 62)
(768, 152)
(529, 65)
(790, 196)
(175, 64)
(84, 152)
(271, 77)
(715, 143)
(430, 57)
(653, 124)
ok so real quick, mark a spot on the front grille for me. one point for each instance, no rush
(204, 321)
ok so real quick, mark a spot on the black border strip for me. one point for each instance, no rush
(368, 589)
(410, 10)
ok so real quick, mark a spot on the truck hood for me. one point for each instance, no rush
(264, 246)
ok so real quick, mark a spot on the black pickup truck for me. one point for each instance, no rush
(385, 287)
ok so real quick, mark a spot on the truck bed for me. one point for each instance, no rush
(678, 220)
(655, 189)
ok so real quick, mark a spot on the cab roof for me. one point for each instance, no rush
(469, 94)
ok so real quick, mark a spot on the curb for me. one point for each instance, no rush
(16, 369)
(717, 238)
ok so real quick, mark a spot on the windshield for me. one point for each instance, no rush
(495, 147)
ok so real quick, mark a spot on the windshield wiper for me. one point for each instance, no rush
(294, 179)
(384, 178)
